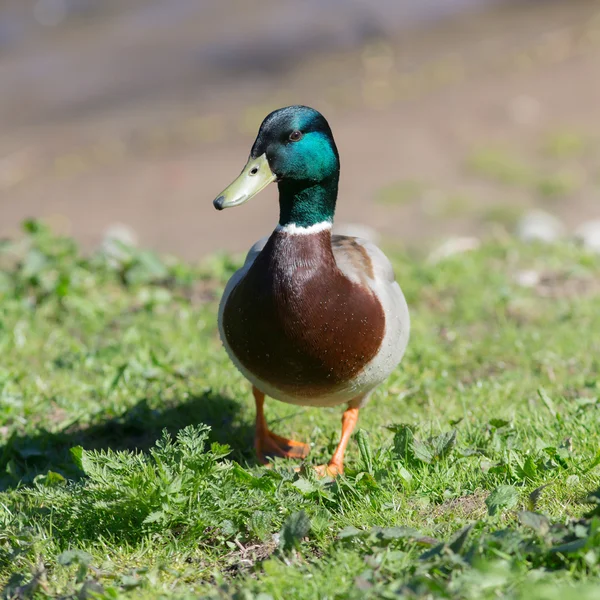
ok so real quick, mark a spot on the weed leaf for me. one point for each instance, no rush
(304, 485)
(422, 451)
(396, 533)
(295, 527)
(350, 532)
(535, 496)
(362, 440)
(443, 443)
(539, 523)
(458, 541)
(543, 394)
(76, 557)
(503, 497)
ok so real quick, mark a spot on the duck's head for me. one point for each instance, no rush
(294, 147)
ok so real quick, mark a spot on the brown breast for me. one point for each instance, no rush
(297, 322)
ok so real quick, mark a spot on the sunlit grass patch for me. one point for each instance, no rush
(127, 467)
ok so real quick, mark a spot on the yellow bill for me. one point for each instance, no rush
(255, 177)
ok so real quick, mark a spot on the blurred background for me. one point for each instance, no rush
(452, 117)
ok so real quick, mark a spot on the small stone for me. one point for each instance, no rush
(528, 278)
(524, 110)
(453, 246)
(588, 235)
(538, 225)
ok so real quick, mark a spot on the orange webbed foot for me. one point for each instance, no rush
(271, 444)
(268, 443)
(330, 470)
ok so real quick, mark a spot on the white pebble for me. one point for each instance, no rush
(524, 110)
(541, 226)
(453, 246)
(528, 278)
(588, 235)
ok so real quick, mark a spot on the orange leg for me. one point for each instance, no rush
(268, 443)
(336, 464)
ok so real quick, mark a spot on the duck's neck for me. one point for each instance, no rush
(307, 205)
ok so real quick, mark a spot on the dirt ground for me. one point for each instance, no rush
(406, 111)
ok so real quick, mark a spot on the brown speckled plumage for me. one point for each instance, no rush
(355, 252)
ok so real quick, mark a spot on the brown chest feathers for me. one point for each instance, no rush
(296, 322)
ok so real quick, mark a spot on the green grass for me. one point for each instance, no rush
(565, 143)
(559, 184)
(126, 465)
(500, 166)
(557, 180)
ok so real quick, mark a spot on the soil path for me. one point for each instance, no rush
(401, 110)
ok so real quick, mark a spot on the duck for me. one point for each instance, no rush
(311, 318)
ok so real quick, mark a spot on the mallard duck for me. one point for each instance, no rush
(311, 318)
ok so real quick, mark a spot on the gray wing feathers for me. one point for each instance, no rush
(255, 250)
(381, 263)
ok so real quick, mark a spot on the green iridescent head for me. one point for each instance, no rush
(298, 144)
(294, 147)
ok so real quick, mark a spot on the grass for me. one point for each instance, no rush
(560, 184)
(561, 166)
(565, 143)
(127, 470)
(558, 179)
(500, 166)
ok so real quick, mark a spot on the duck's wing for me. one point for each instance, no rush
(361, 260)
(255, 251)
(364, 263)
(238, 275)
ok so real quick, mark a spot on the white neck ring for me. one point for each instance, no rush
(293, 229)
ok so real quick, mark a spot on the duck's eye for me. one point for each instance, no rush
(295, 136)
